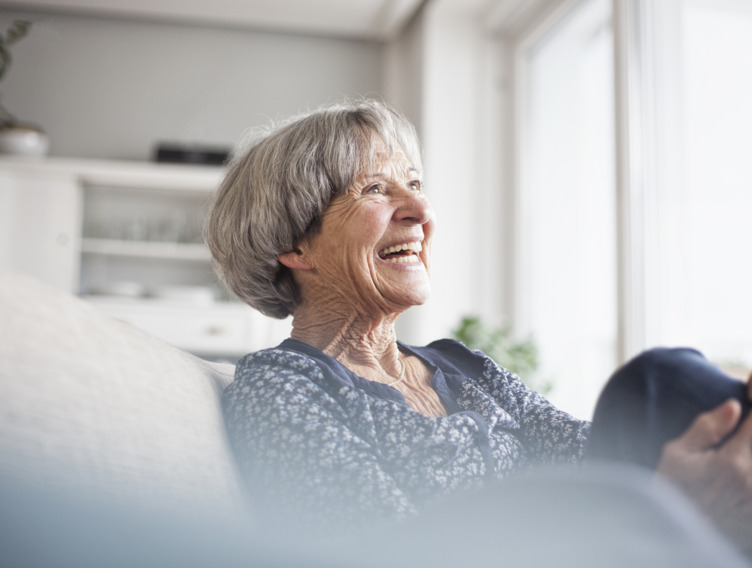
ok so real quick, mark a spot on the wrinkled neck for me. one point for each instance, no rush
(358, 342)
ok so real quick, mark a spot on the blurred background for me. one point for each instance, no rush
(588, 161)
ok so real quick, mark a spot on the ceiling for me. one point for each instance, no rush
(369, 19)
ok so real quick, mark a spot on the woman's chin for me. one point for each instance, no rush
(405, 285)
(415, 295)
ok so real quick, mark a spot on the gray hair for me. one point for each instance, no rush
(277, 188)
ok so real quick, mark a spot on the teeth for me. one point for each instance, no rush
(403, 259)
(414, 247)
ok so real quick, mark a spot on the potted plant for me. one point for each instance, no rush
(17, 137)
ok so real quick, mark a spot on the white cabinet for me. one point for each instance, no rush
(126, 236)
(40, 220)
(142, 226)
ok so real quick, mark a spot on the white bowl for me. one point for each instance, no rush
(23, 141)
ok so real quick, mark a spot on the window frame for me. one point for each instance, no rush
(635, 175)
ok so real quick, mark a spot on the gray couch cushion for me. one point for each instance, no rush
(94, 405)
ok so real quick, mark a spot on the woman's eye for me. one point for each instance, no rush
(375, 188)
(415, 185)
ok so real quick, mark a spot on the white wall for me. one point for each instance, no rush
(111, 88)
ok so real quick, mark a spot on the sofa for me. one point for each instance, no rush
(113, 453)
(98, 415)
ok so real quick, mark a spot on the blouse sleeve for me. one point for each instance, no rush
(550, 435)
(295, 449)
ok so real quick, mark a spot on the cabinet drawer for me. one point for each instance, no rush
(205, 331)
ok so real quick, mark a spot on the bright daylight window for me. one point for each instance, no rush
(704, 273)
(567, 237)
(697, 193)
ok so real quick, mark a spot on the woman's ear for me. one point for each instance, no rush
(296, 259)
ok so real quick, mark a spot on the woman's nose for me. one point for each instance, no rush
(413, 207)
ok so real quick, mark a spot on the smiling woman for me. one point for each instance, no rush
(325, 217)
(276, 192)
(378, 234)
(342, 425)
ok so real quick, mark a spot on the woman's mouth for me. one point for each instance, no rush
(402, 253)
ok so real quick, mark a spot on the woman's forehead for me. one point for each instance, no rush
(386, 163)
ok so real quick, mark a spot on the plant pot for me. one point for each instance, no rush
(23, 140)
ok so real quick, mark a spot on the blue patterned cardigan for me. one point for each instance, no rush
(319, 446)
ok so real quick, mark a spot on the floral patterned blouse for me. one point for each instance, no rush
(319, 446)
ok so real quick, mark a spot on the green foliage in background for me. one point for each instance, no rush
(17, 31)
(519, 356)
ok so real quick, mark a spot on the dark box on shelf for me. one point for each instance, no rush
(191, 154)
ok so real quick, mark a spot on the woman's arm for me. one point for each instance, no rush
(299, 458)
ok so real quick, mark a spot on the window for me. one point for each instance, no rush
(566, 252)
(703, 272)
(633, 196)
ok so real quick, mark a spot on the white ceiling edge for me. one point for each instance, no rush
(363, 19)
(511, 17)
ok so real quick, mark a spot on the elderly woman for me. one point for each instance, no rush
(325, 218)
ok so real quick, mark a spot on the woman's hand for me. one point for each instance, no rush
(717, 477)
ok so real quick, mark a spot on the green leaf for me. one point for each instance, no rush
(18, 30)
(5, 60)
(519, 356)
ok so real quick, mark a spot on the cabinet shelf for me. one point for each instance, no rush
(145, 249)
(132, 230)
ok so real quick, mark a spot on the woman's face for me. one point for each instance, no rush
(373, 249)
